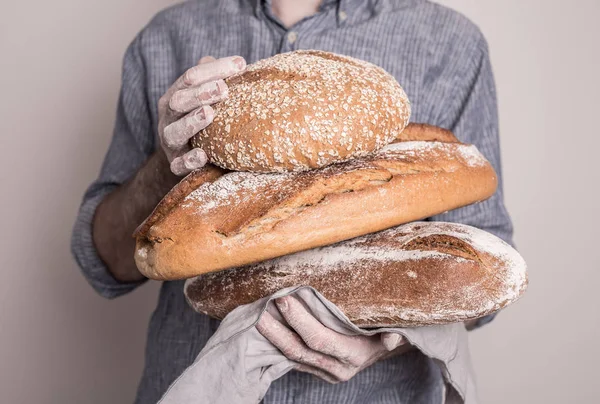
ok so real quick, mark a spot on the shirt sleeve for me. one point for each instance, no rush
(131, 144)
(473, 117)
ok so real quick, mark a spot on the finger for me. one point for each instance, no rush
(191, 98)
(403, 348)
(348, 349)
(203, 73)
(195, 159)
(317, 372)
(177, 134)
(392, 340)
(206, 59)
(210, 71)
(293, 348)
(178, 167)
(190, 161)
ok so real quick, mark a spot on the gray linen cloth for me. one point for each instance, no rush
(238, 364)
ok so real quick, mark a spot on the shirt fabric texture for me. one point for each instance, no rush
(438, 56)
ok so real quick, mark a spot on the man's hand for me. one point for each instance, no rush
(184, 110)
(321, 351)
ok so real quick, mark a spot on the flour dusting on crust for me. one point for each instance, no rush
(469, 154)
(421, 273)
(241, 187)
(232, 188)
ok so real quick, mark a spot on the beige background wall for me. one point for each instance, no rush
(59, 76)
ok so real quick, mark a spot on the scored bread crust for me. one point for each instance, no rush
(303, 110)
(418, 274)
(214, 220)
(210, 173)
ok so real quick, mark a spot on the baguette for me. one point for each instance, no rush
(413, 275)
(214, 220)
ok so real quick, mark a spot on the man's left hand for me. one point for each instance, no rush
(321, 351)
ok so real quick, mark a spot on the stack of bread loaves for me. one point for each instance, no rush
(313, 165)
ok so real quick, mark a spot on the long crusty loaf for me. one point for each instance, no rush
(413, 275)
(303, 110)
(214, 220)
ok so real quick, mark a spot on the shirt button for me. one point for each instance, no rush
(292, 37)
(342, 15)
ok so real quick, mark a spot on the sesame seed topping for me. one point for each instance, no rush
(303, 110)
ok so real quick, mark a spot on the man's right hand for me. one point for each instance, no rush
(184, 110)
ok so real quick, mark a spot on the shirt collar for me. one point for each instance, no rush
(348, 10)
(330, 3)
(258, 4)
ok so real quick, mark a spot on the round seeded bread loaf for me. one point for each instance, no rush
(303, 110)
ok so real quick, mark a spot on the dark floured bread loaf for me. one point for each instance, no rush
(413, 275)
(303, 110)
(215, 220)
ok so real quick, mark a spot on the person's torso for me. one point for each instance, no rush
(414, 40)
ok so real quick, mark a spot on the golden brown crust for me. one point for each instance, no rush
(243, 218)
(421, 131)
(210, 173)
(412, 275)
(304, 110)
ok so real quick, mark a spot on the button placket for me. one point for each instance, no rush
(292, 36)
(289, 39)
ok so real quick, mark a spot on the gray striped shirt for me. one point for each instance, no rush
(438, 56)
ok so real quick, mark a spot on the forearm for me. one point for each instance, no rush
(123, 210)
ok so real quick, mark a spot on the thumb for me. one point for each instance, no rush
(391, 340)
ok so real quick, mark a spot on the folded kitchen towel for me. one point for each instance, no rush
(238, 364)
